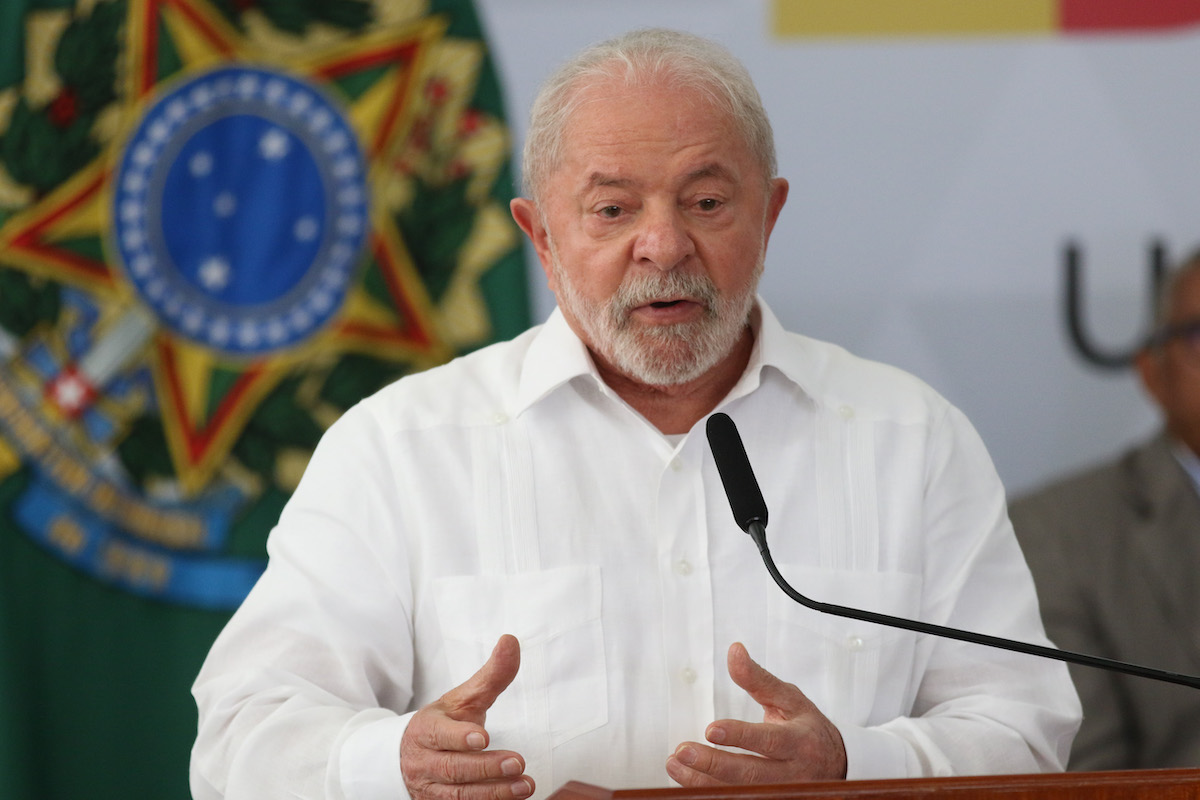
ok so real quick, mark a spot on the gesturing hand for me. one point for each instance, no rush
(794, 742)
(442, 753)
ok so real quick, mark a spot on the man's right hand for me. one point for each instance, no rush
(442, 753)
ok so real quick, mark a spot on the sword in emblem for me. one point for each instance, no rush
(78, 384)
(8, 345)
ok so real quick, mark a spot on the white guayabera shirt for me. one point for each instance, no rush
(512, 492)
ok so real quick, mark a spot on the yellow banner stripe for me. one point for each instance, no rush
(853, 18)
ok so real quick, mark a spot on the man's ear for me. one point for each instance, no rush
(1149, 363)
(529, 219)
(776, 197)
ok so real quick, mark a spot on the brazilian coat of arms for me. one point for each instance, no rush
(223, 222)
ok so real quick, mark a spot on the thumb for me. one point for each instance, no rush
(472, 698)
(773, 694)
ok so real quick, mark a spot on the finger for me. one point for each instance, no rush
(472, 698)
(448, 767)
(774, 740)
(501, 789)
(432, 728)
(431, 774)
(773, 694)
(496, 790)
(807, 741)
(687, 777)
(694, 764)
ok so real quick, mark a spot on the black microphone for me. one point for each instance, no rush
(750, 512)
(745, 498)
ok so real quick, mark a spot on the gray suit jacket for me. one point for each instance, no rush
(1115, 554)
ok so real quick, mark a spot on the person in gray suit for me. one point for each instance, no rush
(1115, 552)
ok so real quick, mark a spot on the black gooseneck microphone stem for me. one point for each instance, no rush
(750, 512)
(759, 534)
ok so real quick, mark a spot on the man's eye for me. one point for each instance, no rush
(610, 212)
(709, 204)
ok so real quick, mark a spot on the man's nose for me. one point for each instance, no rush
(663, 239)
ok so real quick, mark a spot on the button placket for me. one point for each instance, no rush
(687, 593)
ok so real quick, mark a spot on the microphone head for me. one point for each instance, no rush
(741, 487)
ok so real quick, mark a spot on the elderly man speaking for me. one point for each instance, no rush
(520, 568)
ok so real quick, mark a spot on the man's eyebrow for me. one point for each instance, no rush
(605, 179)
(711, 170)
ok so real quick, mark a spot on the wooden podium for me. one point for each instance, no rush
(1151, 784)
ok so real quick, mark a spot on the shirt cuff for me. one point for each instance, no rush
(369, 762)
(872, 754)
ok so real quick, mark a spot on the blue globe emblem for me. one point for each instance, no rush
(240, 208)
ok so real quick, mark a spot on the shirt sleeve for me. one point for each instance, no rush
(368, 764)
(302, 693)
(874, 754)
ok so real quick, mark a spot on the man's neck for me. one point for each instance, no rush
(675, 409)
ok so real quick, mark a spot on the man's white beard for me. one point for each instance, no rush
(660, 355)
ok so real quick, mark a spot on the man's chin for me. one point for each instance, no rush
(663, 366)
(668, 355)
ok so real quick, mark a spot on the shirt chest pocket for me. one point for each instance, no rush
(560, 691)
(862, 671)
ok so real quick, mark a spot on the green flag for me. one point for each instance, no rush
(222, 223)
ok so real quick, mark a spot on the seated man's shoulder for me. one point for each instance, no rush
(1080, 484)
(1109, 490)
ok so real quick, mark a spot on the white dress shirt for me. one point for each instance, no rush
(512, 491)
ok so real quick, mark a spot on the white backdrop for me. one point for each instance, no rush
(935, 185)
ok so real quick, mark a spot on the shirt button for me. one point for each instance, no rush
(499, 418)
(846, 412)
(854, 643)
(688, 675)
(676, 464)
(683, 566)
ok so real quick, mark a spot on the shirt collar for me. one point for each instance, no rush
(774, 347)
(1188, 460)
(557, 356)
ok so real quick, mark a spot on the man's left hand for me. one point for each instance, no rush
(794, 742)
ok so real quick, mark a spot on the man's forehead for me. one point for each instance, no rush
(609, 111)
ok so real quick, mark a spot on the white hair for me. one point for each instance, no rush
(643, 57)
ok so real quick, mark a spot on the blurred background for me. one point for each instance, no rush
(223, 222)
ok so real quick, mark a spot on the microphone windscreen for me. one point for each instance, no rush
(741, 487)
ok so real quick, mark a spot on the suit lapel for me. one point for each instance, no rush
(1165, 535)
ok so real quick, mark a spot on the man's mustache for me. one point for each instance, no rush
(639, 290)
